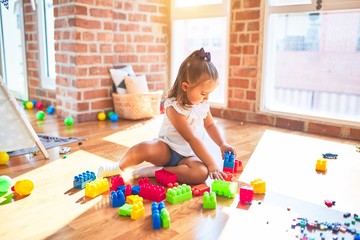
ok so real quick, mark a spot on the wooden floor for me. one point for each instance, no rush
(96, 219)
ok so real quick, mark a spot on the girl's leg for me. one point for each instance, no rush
(155, 152)
(190, 171)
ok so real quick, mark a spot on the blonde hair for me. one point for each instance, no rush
(195, 69)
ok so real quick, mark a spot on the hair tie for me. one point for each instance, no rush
(204, 55)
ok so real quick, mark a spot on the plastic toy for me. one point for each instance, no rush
(321, 165)
(165, 177)
(69, 121)
(259, 186)
(209, 200)
(96, 187)
(109, 114)
(34, 102)
(137, 211)
(229, 162)
(178, 194)
(115, 182)
(142, 181)
(23, 187)
(200, 189)
(125, 210)
(229, 176)
(357, 147)
(40, 115)
(117, 198)
(329, 203)
(135, 190)
(29, 105)
(152, 192)
(246, 195)
(82, 179)
(39, 105)
(128, 190)
(224, 188)
(133, 199)
(4, 157)
(50, 110)
(238, 166)
(114, 117)
(101, 116)
(330, 156)
(5, 183)
(159, 215)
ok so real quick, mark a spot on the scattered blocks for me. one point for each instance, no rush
(178, 194)
(200, 189)
(82, 179)
(115, 182)
(96, 187)
(321, 165)
(224, 188)
(152, 192)
(259, 186)
(117, 198)
(246, 195)
(209, 200)
(165, 177)
(159, 215)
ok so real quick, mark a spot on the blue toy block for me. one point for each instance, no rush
(81, 179)
(122, 188)
(156, 222)
(229, 161)
(117, 198)
(160, 215)
(135, 190)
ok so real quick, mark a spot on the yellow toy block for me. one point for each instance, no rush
(259, 186)
(321, 164)
(137, 211)
(132, 199)
(96, 187)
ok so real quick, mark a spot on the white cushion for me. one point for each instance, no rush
(136, 85)
(118, 76)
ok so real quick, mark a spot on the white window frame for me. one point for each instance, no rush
(46, 81)
(202, 11)
(326, 5)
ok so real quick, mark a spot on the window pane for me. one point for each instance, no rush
(192, 3)
(313, 64)
(192, 34)
(288, 2)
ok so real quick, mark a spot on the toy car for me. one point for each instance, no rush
(330, 155)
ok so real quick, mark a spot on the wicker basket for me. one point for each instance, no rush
(137, 106)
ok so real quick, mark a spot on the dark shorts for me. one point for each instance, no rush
(175, 158)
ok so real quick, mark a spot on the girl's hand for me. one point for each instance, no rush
(215, 173)
(227, 148)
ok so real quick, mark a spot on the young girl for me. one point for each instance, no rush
(180, 146)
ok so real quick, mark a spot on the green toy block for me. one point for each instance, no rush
(165, 218)
(224, 188)
(125, 210)
(178, 194)
(209, 200)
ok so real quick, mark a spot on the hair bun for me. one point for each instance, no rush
(204, 55)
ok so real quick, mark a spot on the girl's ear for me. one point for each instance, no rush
(184, 86)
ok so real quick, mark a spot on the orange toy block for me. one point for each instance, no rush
(321, 165)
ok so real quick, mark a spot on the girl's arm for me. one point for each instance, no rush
(182, 126)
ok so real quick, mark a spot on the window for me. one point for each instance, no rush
(312, 59)
(46, 43)
(197, 24)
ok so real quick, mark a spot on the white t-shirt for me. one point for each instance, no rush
(195, 117)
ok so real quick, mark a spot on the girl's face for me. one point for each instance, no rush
(200, 93)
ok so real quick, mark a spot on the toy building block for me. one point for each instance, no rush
(137, 211)
(259, 186)
(155, 217)
(142, 181)
(200, 189)
(132, 199)
(229, 176)
(96, 187)
(128, 190)
(165, 218)
(125, 210)
(209, 200)
(165, 177)
(135, 190)
(321, 165)
(82, 179)
(152, 192)
(246, 194)
(224, 188)
(229, 162)
(117, 198)
(160, 215)
(178, 194)
(115, 182)
(238, 166)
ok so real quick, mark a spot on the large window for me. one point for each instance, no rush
(196, 24)
(312, 59)
(46, 43)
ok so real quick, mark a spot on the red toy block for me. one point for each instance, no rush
(246, 194)
(165, 177)
(199, 190)
(142, 181)
(238, 166)
(115, 182)
(128, 190)
(152, 192)
(229, 176)
(230, 170)
(329, 203)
